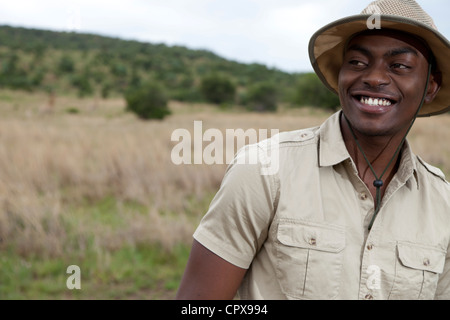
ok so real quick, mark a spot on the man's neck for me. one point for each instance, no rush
(378, 150)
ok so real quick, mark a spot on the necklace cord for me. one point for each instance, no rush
(378, 182)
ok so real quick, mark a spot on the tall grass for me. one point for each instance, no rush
(51, 165)
(99, 181)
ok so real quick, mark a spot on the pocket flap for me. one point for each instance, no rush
(421, 257)
(311, 235)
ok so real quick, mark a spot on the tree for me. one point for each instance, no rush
(148, 101)
(312, 92)
(105, 90)
(66, 64)
(218, 88)
(82, 83)
(262, 97)
(12, 75)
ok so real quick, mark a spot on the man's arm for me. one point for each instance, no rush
(209, 277)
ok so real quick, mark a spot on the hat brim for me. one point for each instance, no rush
(326, 51)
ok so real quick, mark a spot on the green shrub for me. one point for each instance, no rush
(66, 64)
(262, 97)
(119, 70)
(82, 83)
(189, 95)
(218, 88)
(12, 75)
(148, 101)
(72, 110)
(312, 92)
(105, 90)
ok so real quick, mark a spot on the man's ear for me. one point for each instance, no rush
(433, 86)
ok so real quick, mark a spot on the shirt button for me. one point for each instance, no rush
(368, 297)
(306, 135)
(363, 196)
(312, 241)
(369, 247)
(426, 262)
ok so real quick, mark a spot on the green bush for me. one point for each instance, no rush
(119, 70)
(187, 95)
(66, 64)
(262, 97)
(218, 88)
(73, 110)
(12, 75)
(105, 90)
(82, 83)
(148, 101)
(312, 92)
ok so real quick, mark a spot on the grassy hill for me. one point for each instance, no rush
(89, 64)
(68, 63)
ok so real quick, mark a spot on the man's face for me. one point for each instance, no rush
(382, 82)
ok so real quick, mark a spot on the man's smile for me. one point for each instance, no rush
(375, 101)
(369, 102)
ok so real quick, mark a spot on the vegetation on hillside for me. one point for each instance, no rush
(92, 65)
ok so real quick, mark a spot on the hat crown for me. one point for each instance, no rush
(409, 9)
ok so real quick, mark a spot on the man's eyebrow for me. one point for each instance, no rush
(357, 47)
(399, 51)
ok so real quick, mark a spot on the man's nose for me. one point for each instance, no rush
(376, 76)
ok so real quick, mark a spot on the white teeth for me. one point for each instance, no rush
(375, 101)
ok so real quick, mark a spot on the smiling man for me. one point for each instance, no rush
(352, 212)
(382, 82)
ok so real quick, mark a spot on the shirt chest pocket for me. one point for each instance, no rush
(309, 259)
(417, 271)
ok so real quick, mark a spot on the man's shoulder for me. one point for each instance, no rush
(294, 137)
(432, 170)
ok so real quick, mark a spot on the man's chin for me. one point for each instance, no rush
(372, 126)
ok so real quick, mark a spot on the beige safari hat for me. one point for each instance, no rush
(326, 46)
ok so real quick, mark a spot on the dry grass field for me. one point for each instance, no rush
(83, 182)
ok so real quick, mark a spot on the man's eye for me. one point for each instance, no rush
(356, 63)
(399, 66)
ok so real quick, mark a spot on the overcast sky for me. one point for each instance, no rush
(270, 32)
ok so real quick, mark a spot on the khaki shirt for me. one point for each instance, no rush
(302, 232)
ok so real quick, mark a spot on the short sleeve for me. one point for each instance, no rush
(237, 222)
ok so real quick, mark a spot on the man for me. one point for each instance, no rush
(351, 213)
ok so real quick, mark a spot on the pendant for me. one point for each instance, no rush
(378, 183)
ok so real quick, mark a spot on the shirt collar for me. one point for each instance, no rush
(408, 165)
(332, 150)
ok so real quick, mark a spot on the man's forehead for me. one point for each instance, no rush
(411, 40)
